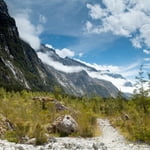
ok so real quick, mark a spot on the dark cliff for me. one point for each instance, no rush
(19, 65)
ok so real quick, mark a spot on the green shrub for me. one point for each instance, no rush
(39, 134)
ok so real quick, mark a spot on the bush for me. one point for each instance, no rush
(40, 134)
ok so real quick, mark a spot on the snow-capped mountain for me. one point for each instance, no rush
(69, 73)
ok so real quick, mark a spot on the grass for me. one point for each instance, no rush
(29, 119)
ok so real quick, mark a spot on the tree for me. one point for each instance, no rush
(141, 94)
(140, 82)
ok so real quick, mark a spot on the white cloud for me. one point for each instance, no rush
(27, 31)
(114, 6)
(96, 12)
(57, 65)
(146, 59)
(80, 54)
(119, 83)
(145, 33)
(65, 52)
(136, 42)
(128, 18)
(147, 66)
(89, 26)
(42, 19)
(101, 74)
(49, 46)
(129, 71)
(146, 51)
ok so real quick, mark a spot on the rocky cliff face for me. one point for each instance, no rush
(19, 65)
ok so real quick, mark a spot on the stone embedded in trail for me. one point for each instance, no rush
(99, 146)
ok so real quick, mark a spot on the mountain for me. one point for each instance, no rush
(73, 75)
(79, 78)
(20, 68)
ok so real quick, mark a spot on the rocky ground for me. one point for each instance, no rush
(109, 140)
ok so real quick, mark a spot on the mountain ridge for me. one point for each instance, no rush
(21, 68)
(71, 65)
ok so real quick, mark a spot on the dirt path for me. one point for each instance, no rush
(109, 140)
(114, 141)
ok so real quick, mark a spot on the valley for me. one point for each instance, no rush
(52, 102)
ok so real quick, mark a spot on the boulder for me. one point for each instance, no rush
(65, 124)
(5, 125)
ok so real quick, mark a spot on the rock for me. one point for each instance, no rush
(95, 146)
(31, 141)
(5, 125)
(125, 116)
(24, 139)
(59, 106)
(69, 145)
(19, 147)
(99, 146)
(46, 99)
(65, 124)
(52, 140)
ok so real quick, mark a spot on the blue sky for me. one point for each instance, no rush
(109, 33)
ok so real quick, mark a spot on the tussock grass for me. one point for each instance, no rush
(29, 119)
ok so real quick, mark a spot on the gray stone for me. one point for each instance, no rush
(65, 124)
(31, 141)
(52, 140)
(99, 146)
(24, 139)
(20, 147)
(95, 146)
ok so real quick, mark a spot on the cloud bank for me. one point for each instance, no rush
(128, 71)
(27, 31)
(120, 83)
(65, 52)
(146, 51)
(57, 65)
(127, 18)
(49, 46)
